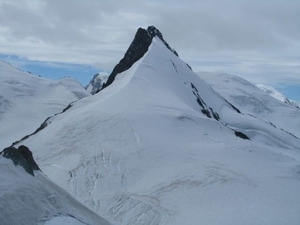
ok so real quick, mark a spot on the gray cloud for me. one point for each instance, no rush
(255, 37)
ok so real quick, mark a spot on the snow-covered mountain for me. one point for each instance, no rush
(27, 196)
(97, 82)
(255, 102)
(274, 93)
(158, 145)
(27, 100)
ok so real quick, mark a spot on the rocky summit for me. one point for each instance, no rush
(137, 49)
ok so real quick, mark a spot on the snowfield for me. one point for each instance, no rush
(161, 146)
(27, 100)
(27, 199)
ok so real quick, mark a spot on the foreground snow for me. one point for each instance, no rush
(27, 199)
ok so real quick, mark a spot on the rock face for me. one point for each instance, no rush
(21, 156)
(136, 50)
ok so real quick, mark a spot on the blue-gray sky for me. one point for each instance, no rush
(258, 40)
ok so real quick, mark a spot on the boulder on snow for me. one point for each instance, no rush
(21, 156)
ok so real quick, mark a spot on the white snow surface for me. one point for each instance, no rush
(142, 152)
(27, 199)
(26, 101)
(74, 86)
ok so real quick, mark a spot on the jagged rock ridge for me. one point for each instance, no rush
(136, 50)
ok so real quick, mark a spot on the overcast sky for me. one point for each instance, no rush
(256, 39)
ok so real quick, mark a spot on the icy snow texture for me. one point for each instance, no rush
(26, 199)
(141, 151)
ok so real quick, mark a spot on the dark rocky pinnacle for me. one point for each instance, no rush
(136, 50)
(22, 157)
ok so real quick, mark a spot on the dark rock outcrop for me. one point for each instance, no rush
(136, 50)
(241, 135)
(22, 157)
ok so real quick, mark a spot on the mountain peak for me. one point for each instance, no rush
(153, 31)
(137, 49)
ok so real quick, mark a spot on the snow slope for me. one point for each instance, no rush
(27, 199)
(160, 146)
(26, 101)
(74, 86)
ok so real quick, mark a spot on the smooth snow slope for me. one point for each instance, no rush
(142, 151)
(74, 86)
(27, 199)
(26, 101)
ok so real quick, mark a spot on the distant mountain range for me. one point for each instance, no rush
(155, 144)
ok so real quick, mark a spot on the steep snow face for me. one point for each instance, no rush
(26, 101)
(74, 86)
(97, 82)
(255, 102)
(273, 92)
(27, 199)
(160, 146)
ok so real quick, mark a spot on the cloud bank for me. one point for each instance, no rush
(259, 40)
